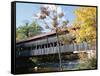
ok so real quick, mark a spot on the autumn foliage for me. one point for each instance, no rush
(86, 20)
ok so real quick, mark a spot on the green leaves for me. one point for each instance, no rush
(27, 30)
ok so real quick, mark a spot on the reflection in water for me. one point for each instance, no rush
(67, 65)
(50, 67)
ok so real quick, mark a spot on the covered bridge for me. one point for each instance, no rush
(45, 44)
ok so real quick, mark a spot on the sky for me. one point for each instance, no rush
(25, 12)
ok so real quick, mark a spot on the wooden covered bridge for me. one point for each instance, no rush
(45, 48)
(45, 44)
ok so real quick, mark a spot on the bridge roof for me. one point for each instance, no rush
(42, 36)
(38, 37)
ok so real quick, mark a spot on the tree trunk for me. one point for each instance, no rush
(59, 52)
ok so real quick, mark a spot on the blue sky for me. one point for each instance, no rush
(25, 11)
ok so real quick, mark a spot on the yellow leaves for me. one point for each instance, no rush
(85, 19)
(84, 13)
(88, 34)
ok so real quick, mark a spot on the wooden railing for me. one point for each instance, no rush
(53, 50)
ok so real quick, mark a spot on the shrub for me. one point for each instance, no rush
(88, 64)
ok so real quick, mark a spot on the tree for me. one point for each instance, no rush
(86, 21)
(27, 30)
(54, 14)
